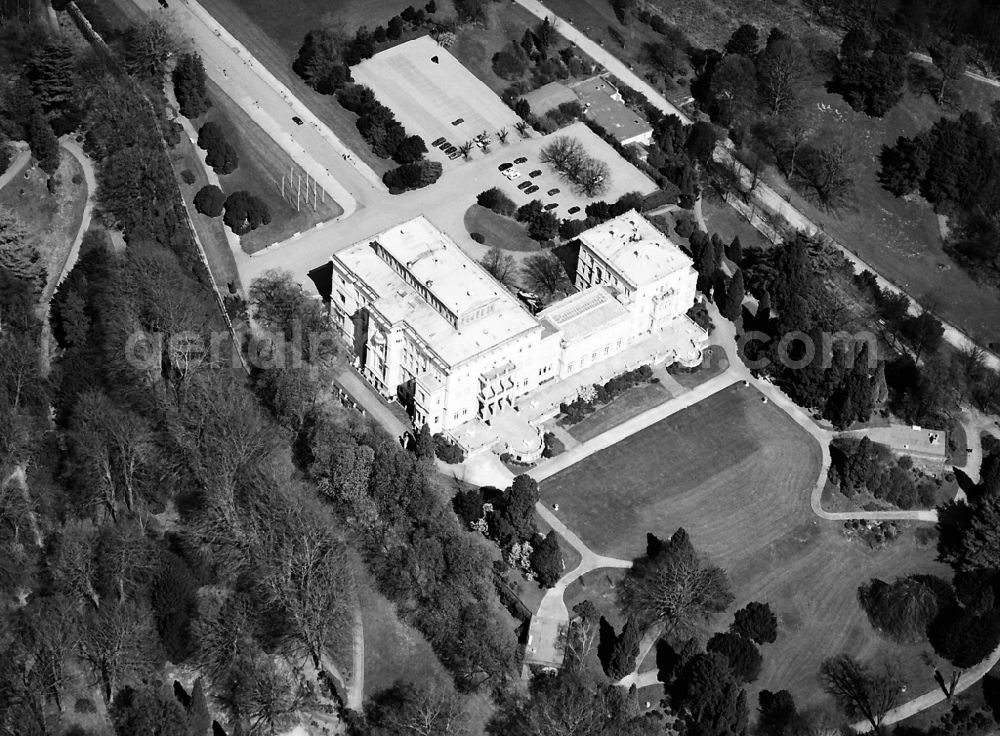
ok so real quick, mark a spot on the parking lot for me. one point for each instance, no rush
(624, 177)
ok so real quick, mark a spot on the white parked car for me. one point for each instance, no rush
(512, 174)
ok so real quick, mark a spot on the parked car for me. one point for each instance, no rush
(520, 160)
(504, 167)
(454, 155)
(443, 144)
(524, 185)
(553, 191)
(573, 210)
(450, 150)
(550, 206)
(531, 190)
(458, 122)
(439, 141)
(296, 119)
(512, 174)
(536, 172)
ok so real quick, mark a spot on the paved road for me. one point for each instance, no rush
(968, 72)
(231, 66)
(763, 194)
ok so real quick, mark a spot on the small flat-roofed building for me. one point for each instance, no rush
(645, 270)
(593, 325)
(549, 96)
(603, 104)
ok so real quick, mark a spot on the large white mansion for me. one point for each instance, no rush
(429, 326)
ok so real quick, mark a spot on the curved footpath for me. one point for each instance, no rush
(90, 178)
(765, 195)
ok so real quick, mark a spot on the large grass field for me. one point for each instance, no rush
(736, 474)
(261, 166)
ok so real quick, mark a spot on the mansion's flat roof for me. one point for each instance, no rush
(438, 265)
(632, 246)
(584, 313)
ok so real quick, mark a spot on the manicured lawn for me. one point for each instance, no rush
(52, 220)
(728, 223)
(958, 456)
(630, 404)
(261, 166)
(211, 231)
(502, 232)
(715, 361)
(730, 450)
(736, 474)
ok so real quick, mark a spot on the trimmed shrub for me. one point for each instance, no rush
(478, 237)
(412, 176)
(447, 451)
(245, 212)
(494, 199)
(757, 622)
(188, 177)
(210, 200)
(743, 656)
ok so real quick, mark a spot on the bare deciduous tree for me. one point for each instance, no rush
(500, 266)
(675, 588)
(827, 169)
(116, 644)
(781, 69)
(860, 691)
(544, 273)
(304, 574)
(593, 178)
(502, 135)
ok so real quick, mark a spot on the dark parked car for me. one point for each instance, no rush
(550, 206)
(443, 144)
(573, 210)
(450, 150)
(504, 167)
(553, 191)
(296, 119)
(520, 160)
(536, 172)
(525, 185)
(438, 142)
(454, 155)
(458, 122)
(531, 190)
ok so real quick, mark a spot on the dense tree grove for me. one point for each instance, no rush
(153, 506)
(863, 466)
